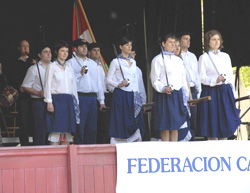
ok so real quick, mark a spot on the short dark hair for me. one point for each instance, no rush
(40, 49)
(79, 42)
(124, 40)
(207, 38)
(60, 44)
(165, 37)
(183, 33)
(94, 45)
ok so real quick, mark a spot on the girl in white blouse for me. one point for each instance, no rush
(126, 118)
(61, 97)
(218, 118)
(168, 78)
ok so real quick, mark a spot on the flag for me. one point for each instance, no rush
(82, 29)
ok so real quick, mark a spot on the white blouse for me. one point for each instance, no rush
(175, 71)
(114, 76)
(209, 74)
(59, 81)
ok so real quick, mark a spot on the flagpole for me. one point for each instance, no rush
(103, 65)
(91, 33)
(202, 25)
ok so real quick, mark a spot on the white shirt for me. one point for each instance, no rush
(209, 74)
(32, 79)
(59, 81)
(90, 82)
(191, 67)
(102, 77)
(22, 59)
(115, 77)
(175, 71)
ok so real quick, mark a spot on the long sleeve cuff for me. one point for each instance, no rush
(213, 82)
(48, 100)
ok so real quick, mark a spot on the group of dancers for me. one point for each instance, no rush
(175, 80)
(65, 92)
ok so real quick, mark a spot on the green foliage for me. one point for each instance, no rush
(245, 76)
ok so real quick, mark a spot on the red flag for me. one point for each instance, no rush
(82, 29)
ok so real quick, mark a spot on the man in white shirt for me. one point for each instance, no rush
(33, 84)
(103, 116)
(191, 67)
(89, 88)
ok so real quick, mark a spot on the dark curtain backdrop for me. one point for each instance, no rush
(50, 20)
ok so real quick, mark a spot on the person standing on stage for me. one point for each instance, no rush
(60, 94)
(126, 118)
(33, 84)
(103, 116)
(95, 54)
(191, 67)
(16, 73)
(168, 78)
(218, 118)
(89, 88)
(183, 134)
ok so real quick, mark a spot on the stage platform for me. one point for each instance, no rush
(58, 169)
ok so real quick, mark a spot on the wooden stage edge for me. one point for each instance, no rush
(58, 169)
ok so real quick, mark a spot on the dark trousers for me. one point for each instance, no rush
(86, 132)
(147, 135)
(25, 118)
(103, 122)
(193, 111)
(39, 111)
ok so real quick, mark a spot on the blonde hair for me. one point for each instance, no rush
(178, 40)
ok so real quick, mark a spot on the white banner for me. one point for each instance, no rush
(169, 167)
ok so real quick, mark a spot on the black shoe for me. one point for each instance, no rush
(232, 137)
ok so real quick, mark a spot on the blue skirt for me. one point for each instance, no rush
(218, 117)
(63, 119)
(123, 123)
(168, 112)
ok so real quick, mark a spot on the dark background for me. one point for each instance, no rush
(50, 20)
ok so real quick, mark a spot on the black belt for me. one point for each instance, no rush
(88, 94)
(37, 99)
(193, 89)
